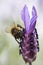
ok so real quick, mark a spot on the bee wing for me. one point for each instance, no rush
(25, 17)
(33, 20)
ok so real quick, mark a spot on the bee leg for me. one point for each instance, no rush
(20, 52)
(19, 46)
(17, 41)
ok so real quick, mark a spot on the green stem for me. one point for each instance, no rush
(30, 63)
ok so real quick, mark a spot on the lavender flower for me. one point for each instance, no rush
(29, 45)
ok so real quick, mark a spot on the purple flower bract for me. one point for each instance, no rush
(29, 23)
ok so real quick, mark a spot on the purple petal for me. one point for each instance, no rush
(25, 17)
(33, 20)
(34, 12)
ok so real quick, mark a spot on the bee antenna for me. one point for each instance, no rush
(19, 26)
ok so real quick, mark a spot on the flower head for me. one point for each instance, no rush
(29, 23)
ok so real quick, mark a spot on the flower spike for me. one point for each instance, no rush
(29, 45)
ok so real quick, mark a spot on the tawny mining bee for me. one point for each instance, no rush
(16, 31)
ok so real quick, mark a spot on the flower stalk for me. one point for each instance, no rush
(30, 63)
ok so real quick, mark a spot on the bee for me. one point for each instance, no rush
(17, 31)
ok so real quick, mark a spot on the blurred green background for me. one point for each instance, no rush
(9, 13)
